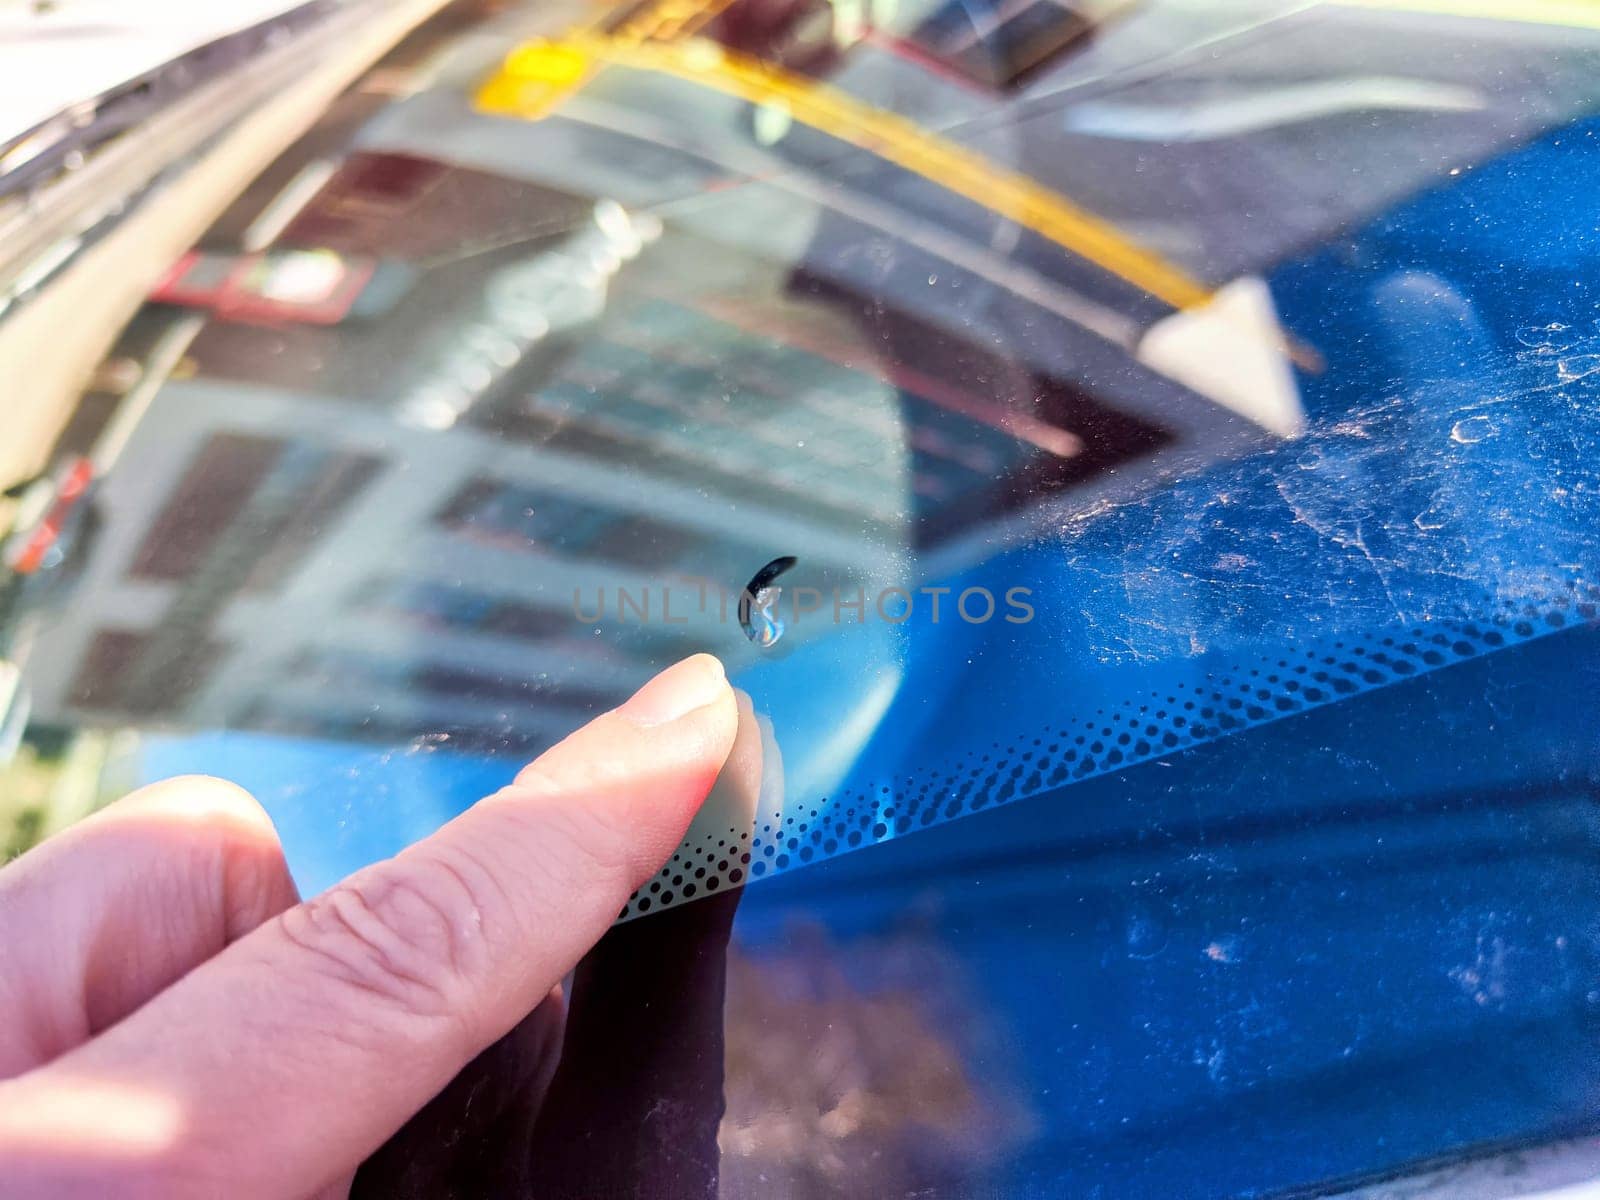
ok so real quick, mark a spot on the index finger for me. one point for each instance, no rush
(281, 1063)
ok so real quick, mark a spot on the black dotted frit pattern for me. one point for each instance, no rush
(1078, 746)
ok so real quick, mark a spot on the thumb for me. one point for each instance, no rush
(281, 1063)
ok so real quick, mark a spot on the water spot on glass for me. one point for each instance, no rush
(760, 612)
(1431, 518)
(1147, 933)
(1472, 430)
(1577, 366)
(1550, 337)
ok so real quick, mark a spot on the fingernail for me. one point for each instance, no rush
(677, 691)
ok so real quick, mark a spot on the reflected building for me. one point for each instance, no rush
(666, 299)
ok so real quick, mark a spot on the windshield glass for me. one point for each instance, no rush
(1139, 459)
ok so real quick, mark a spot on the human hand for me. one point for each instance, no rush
(616, 1091)
(176, 1025)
